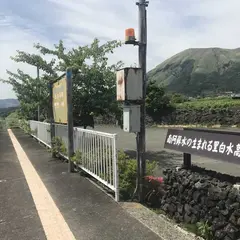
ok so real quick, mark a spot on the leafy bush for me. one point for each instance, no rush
(77, 158)
(204, 230)
(25, 126)
(12, 121)
(58, 147)
(210, 103)
(178, 98)
(153, 191)
(128, 173)
(2, 124)
(157, 101)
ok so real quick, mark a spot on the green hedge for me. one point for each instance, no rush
(205, 103)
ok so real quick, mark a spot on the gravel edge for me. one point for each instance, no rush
(158, 223)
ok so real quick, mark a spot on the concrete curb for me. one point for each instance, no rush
(159, 224)
(195, 126)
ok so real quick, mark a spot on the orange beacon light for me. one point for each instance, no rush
(130, 36)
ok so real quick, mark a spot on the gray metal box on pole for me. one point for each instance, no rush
(129, 84)
(131, 118)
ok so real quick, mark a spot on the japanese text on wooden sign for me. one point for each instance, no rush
(213, 144)
(60, 101)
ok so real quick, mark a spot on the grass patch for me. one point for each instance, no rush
(193, 228)
(202, 229)
(190, 227)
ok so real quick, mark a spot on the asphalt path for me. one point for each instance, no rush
(17, 208)
(70, 199)
(155, 138)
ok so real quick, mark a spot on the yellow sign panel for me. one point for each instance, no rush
(60, 101)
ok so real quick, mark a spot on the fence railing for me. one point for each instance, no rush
(62, 132)
(96, 151)
(41, 131)
(98, 155)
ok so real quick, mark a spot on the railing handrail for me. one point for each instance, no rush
(40, 122)
(112, 135)
(99, 133)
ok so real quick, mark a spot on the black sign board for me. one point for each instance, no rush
(219, 145)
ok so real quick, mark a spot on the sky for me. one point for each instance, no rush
(173, 26)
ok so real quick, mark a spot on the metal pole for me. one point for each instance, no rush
(70, 120)
(116, 171)
(141, 142)
(39, 94)
(52, 125)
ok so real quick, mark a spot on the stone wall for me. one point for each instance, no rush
(196, 195)
(226, 116)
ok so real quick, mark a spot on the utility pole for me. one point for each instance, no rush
(141, 136)
(123, 78)
(39, 94)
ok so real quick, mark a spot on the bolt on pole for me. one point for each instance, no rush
(141, 136)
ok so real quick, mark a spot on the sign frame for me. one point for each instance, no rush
(67, 114)
(213, 144)
(59, 100)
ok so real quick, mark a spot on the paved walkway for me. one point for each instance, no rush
(40, 200)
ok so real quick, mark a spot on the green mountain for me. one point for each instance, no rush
(200, 71)
(8, 103)
(8, 106)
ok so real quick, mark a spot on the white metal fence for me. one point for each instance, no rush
(62, 132)
(41, 131)
(97, 151)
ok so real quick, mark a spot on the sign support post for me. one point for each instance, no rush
(187, 160)
(70, 120)
(52, 126)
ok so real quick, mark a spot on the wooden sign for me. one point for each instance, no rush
(60, 101)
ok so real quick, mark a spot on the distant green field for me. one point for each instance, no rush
(210, 103)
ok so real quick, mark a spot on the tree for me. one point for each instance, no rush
(178, 98)
(157, 102)
(27, 91)
(93, 78)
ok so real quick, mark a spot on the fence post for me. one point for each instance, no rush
(115, 168)
(187, 162)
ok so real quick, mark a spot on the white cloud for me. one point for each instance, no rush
(173, 26)
(13, 38)
(10, 41)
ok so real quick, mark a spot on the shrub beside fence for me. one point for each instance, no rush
(95, 152)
